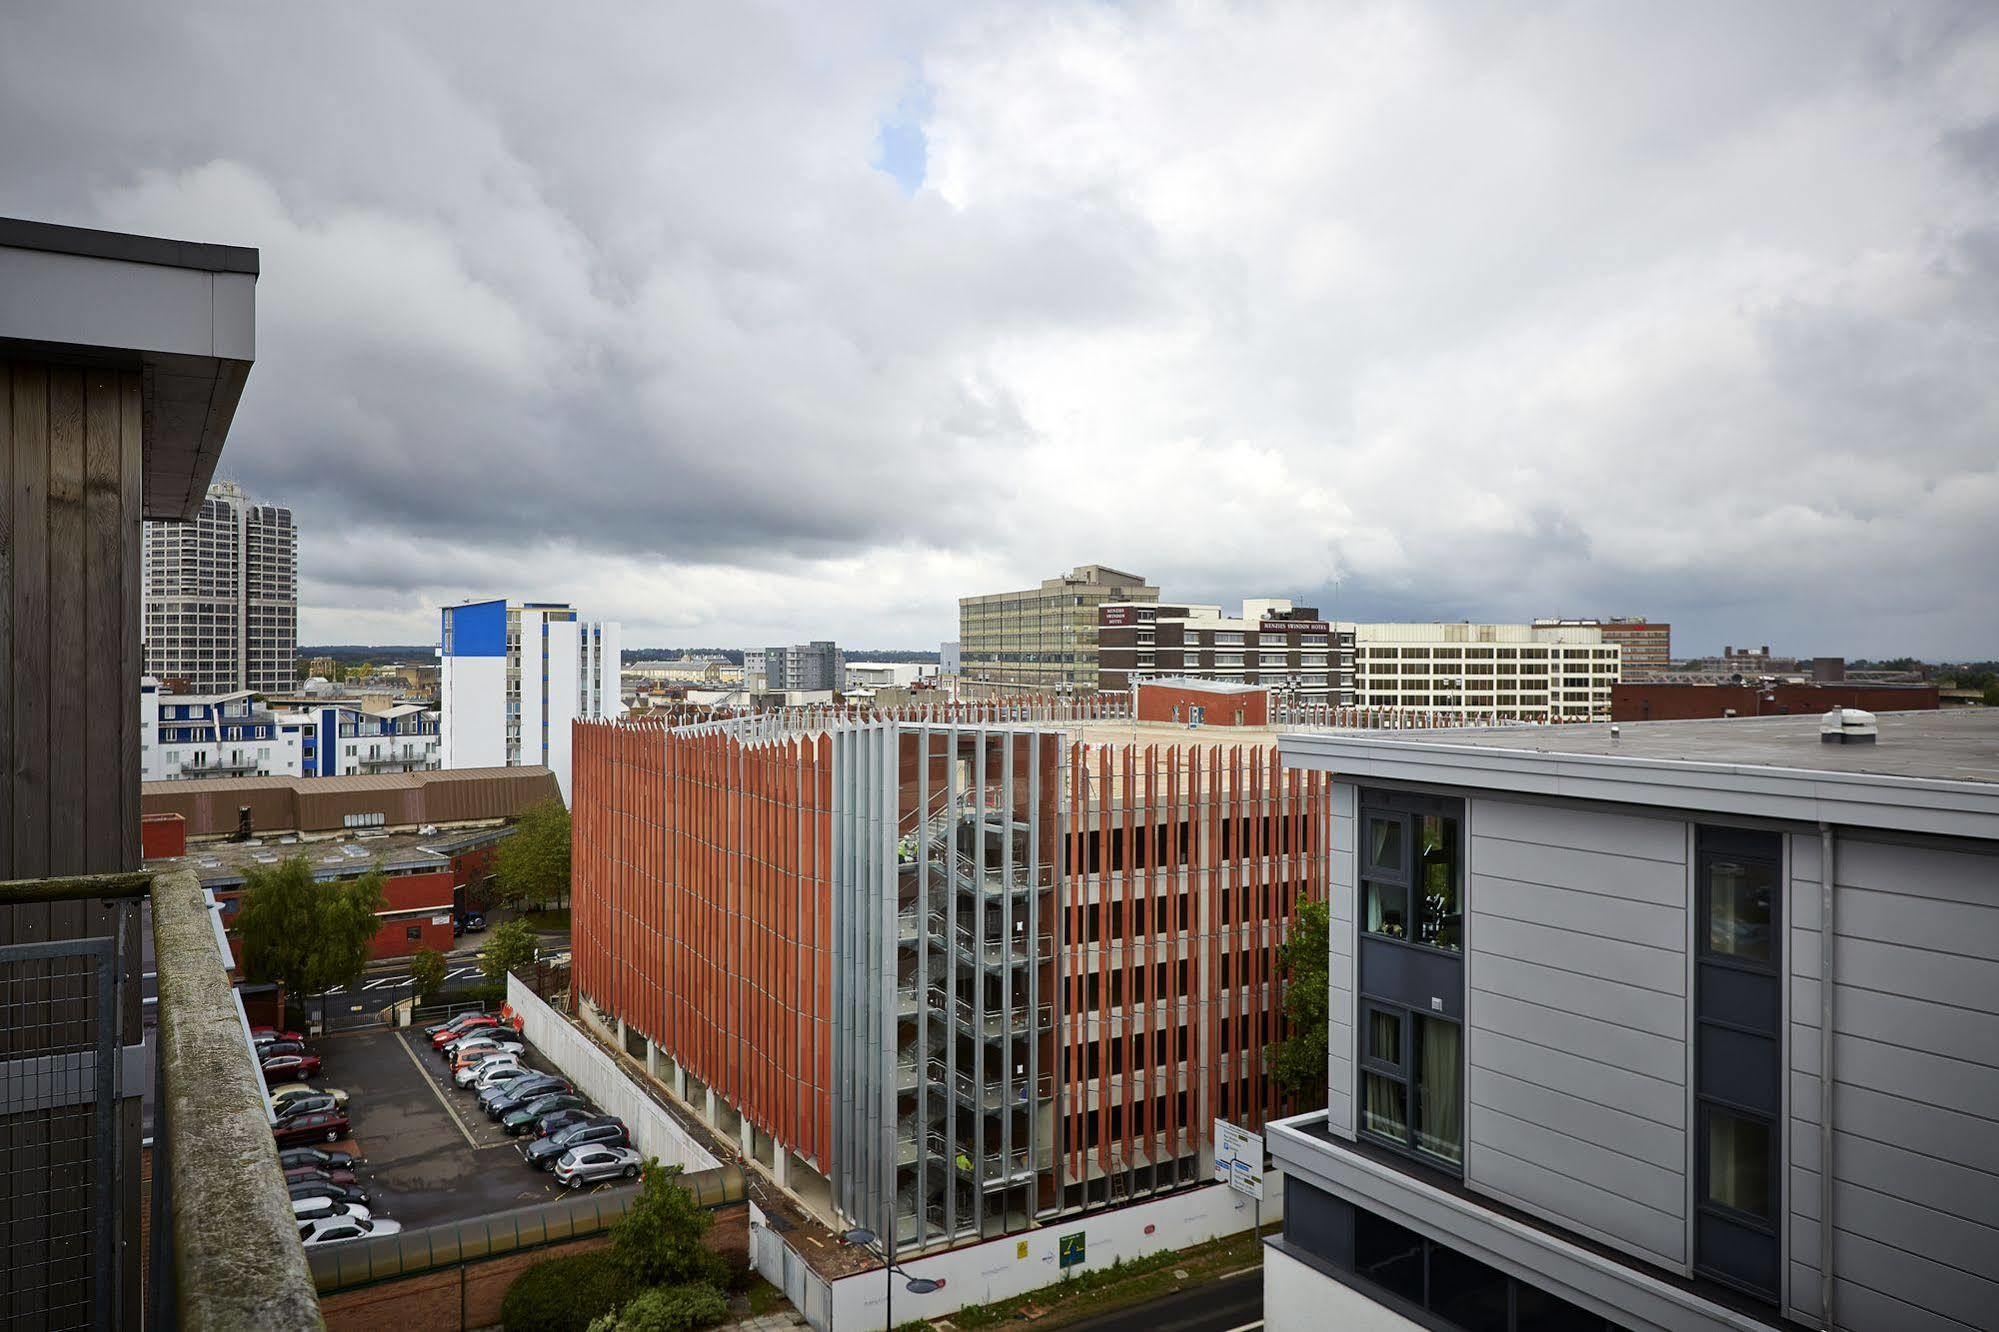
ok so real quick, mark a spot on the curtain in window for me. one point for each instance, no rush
(1384, 1110)
(1440, 1108)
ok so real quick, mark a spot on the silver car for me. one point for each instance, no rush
(334, 1229)
(587, 1165)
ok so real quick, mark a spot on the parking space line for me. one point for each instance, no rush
(436, 1091)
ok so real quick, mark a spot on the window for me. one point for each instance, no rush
(1412, 1092)
(1430, 840)
(413, 933)
(1738, 1008)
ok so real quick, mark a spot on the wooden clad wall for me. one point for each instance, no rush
(70, 511)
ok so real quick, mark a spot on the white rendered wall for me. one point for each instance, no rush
(995, 1270)
(564, 679)
(531, 681)
(472, 726)
(150, 759)
(1297, 1298)
(597, 1075)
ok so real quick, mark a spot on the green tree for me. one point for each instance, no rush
(1300, 1058)
(668, 1309)
(658, 1241)
(308, 937)
(531, 865)
(427, 972)
(511, 949)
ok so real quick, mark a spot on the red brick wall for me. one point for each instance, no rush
(162, 835)
(423, 896)
(1156, 703)
(1639, 701)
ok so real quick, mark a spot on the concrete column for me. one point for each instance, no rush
(652, 1059)
(780, 1166)
(621, 1036)
(746, 1139)
(679, 1082)
(708, 1104)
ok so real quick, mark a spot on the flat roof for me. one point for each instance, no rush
(1929, 771)
(345, 855)
(182, 314)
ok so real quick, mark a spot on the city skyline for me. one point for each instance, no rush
(805, 324)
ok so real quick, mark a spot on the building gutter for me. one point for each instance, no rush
(1828, 878)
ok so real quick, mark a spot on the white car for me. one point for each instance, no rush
(315, 1209)
(587, 1165)
(334, 1229)
(499, 1042)
(472, 1073)
(490, 1078)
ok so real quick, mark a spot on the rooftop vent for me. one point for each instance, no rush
(1848, 726)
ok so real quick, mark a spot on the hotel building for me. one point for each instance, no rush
(1287, 649)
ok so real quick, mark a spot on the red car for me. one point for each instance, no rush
(324, 1126)
(265, 1035)
(483, 1022)
(290, 1068)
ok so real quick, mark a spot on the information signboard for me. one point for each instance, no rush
(1239, 1159)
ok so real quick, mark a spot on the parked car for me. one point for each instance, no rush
(326, 1188)
(473, 921)
(452, 1024)
(281, 1069)
(600, 1130)
(332, 1230)
(271, 1049)
(316, 1175)
(292, 1158)
(478, 1022)
(550, 1124)
(312, 1209)
(497, 1101)
(471, 1073)
(324, 1126)
(305, 1105)
(306, 1088)
(587, 1165)
(490, 1078)
(524, 1118)
(265, 1035)
(484, 1044)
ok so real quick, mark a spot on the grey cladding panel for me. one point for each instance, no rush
(1623, 835)
(1958, 928)
(1934, 872)
(1578, 971)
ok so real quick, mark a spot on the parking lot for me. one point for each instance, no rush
(429, 1152)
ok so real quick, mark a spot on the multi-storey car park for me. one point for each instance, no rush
(974, 975)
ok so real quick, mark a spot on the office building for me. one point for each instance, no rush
(1287, 649)
(222, 596)
(1018, 970)
(512, 678)
(1681, 1025)
(1542, 673)
(1042, 640)
(1645, 646)
(801, 668)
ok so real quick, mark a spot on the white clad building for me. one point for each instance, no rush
(1529, 672)
(514, 676)
(187, 736)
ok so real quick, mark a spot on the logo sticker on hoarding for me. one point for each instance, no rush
(1020, 1249)
(1071, 1249)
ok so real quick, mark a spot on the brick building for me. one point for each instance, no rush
(1654, 700)
(1286, 648)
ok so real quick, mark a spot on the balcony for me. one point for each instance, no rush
(224, 1248)
(221, 768)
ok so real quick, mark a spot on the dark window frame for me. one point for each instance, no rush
(1406, 810)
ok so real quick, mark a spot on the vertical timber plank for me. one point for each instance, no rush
(29, 701)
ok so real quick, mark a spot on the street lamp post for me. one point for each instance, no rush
(914, 1284)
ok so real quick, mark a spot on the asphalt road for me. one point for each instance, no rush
(1232, 1304)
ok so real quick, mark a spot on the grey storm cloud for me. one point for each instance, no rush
(1412, 310)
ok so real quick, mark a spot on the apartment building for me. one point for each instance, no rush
(1043, 639)
(947, 981)
(1537, 672)
(1288, 649)
(345, 739)
(221, 606)
(1680, 1025)
(800, 668)
(183, 737)
(512, 678)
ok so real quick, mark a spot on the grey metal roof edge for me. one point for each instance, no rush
(1904, 804)
(25, 234)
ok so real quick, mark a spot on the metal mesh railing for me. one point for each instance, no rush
(58, 1135)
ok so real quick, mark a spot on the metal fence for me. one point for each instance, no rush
(59, 1139)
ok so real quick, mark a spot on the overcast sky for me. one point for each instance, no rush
(744, 323)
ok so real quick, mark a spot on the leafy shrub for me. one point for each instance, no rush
(566, 1294)
(668, 1309)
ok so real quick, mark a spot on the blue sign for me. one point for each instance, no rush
(1070, 1247)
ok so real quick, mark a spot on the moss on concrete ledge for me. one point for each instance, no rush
(237, 1261)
